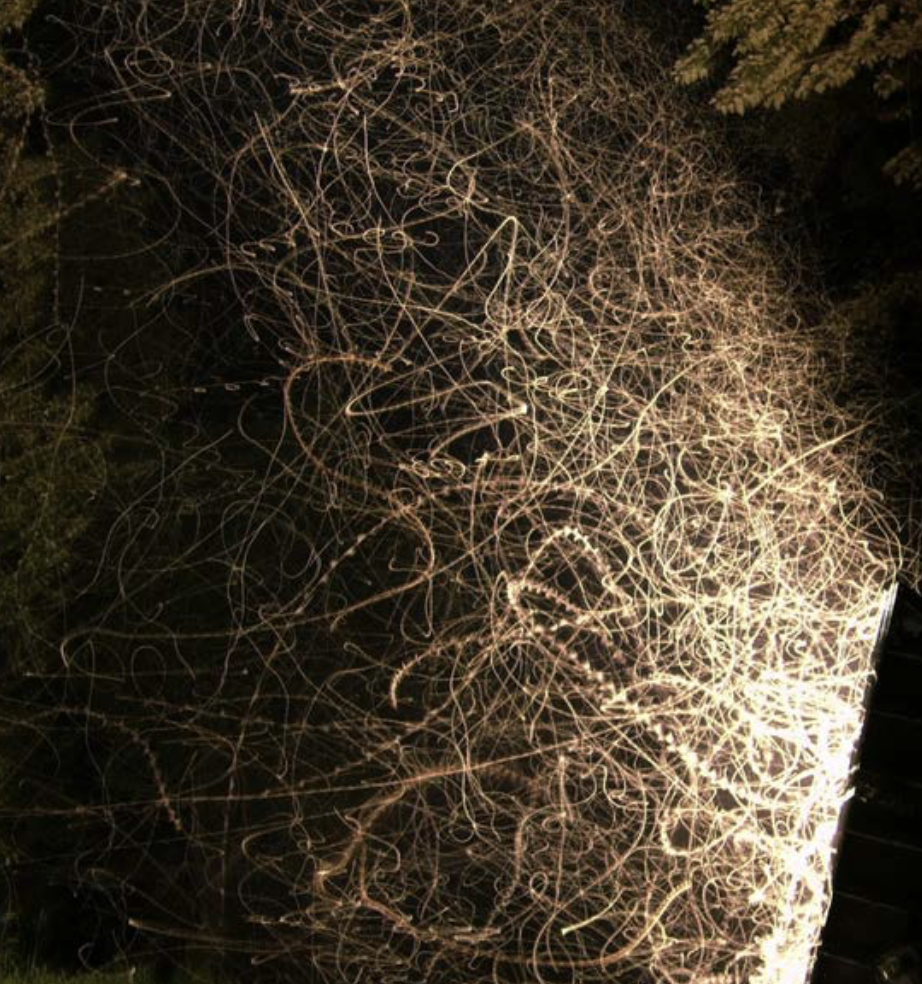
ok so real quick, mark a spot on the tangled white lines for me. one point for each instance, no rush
(594, 541)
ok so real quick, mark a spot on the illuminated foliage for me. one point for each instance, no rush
(794, 49)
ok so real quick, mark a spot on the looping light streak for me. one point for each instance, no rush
(585, 527)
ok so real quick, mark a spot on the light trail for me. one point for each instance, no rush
(579, 500)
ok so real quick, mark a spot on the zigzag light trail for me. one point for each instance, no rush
(590, 531)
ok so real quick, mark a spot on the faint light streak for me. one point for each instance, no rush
(590, 534)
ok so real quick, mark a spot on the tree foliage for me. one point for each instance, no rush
(64, 474)
(50, 467)
(786, 50)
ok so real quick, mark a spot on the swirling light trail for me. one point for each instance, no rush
(585, 520)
